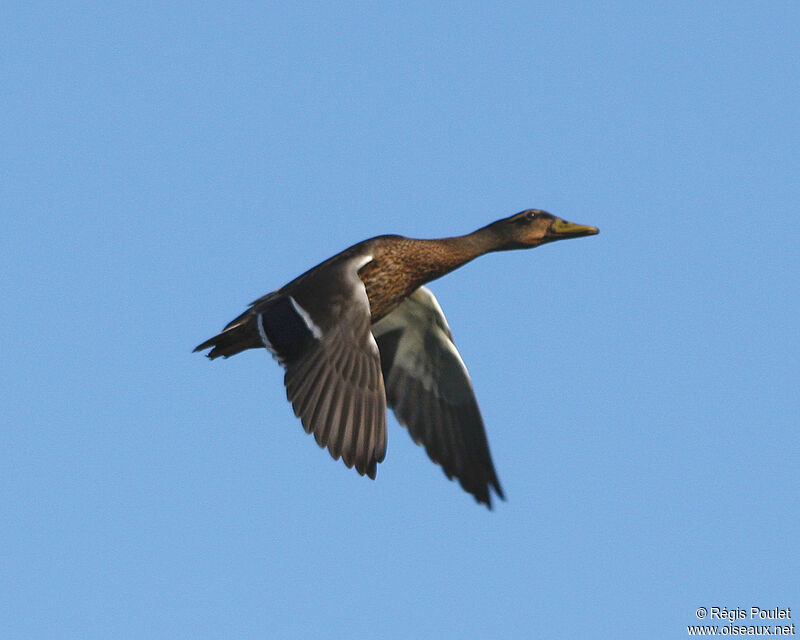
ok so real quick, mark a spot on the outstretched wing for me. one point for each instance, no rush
(320, 332)
(429, 389)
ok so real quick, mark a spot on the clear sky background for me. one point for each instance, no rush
(165, 164)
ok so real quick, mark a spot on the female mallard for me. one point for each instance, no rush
(359, 331)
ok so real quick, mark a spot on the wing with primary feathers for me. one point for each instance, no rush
(336, 389)
(321, 335)
(429, 389)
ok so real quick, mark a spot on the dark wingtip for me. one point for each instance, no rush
(486, 498)
(372, 470)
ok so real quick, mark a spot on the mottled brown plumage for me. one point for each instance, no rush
(359, 330)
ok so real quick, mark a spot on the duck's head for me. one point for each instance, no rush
(533, 227)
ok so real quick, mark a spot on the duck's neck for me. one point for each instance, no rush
(447, 254)
(401, 265)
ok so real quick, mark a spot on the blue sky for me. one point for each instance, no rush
(163, 165)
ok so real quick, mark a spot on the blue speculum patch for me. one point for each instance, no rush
(286, 329)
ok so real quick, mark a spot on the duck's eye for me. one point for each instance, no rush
(532, 215)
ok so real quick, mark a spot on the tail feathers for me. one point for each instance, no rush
(239, 335)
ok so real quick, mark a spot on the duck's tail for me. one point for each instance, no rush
(239, 335)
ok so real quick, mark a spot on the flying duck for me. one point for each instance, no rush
(359, 332)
